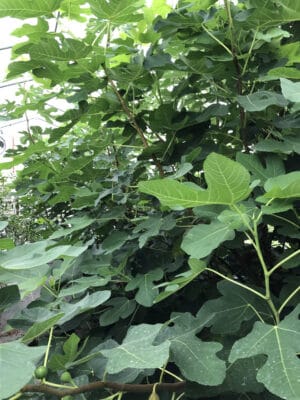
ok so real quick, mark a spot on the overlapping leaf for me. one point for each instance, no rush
(283, 186)
(148, 228)
(36, 148)
(31, 255)
(75, 224)
(98, 364)
(195, 358)
(117, 11)
(80, 285)
(137, 350)
(12, 356)
(290, 90)
(118, 307)
(240, 378)
(114, 241)
(267, 13)
(70, 349)
(87, 303)
(288, 145)
(273, 165)
(8, 296)
(281, 343)
(236, 305)
(261, 100)
(26, 279)
(27, 8)
(181, 92)
(202, 239)
(144, 282)
(38, 328)
(284, 72)
(34, 32)
(181, 280)
(49, 49)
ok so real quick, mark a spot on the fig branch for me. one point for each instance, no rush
(239, 80)
(132, 119)
(94, 386)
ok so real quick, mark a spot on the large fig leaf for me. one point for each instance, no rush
(30, 255)
(283, 186)
(14, 355)
(261, 100)
(87, 303)
(27, 8)
(236, 305)
(274, 165)
(146, 290)
(117, 11)
(137, 350)
(195, 358)
(227, 181)
(281, 344)
(118, 307)
(202, 239)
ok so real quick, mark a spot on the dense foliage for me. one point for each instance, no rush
(163, 201)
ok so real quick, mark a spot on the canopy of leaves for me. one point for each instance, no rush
(154, 232)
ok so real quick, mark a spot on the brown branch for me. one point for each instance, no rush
(93, 386)
(132, 120)
(31, 140)
(28, 128)
(158, 165)
(129, 114)
(239, 89)
(116, 157)
(239, 84)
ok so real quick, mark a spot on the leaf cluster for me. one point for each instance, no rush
(162, 200)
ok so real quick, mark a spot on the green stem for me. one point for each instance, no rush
(237, 283)
(283, 262)
(50, 291)
(154, 388)
(261, 213)
(288, 299)
(168, 146)
(16, 396)
(217, 40)
(228, 11)
(249, 53)
(259, 253)
(266, 275)
(246, 223)
(256, 312)
(256, 244)
(75, 386)
(48, 347)
(165, 371)
(286, 220)
(108, 37)
(156, 85)
(113, 396)
(58, 385)
(162, 371)
(129, 146)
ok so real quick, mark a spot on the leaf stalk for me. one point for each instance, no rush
(288, 299)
